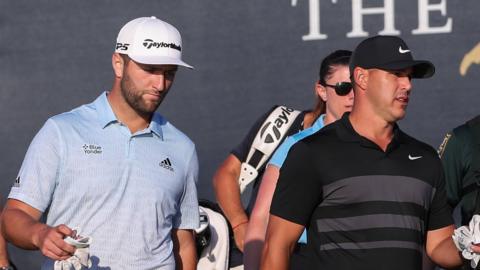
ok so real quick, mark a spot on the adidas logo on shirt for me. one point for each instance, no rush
(166, 164)
(17, 182)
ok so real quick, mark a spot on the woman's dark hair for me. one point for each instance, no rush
(336, 58)
(327, 68)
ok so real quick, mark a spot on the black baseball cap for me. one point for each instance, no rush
(389, 53)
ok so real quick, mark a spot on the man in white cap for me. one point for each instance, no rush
(115, 169)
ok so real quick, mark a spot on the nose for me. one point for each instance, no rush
(159, 82)
(406, 83)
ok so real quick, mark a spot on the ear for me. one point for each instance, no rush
(321, 91)
(360, 76)
(118, 65)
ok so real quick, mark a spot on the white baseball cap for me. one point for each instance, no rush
(151, 41)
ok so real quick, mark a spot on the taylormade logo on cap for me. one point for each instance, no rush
(148, 40)
(148, 43)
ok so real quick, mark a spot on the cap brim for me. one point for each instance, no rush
(159, 60)
(420, 69)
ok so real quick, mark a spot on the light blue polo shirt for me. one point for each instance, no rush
(281, 153)
(127, 191)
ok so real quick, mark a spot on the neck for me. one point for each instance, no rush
(329, 118)
(125, 113)
(372, 127)
(309, 118)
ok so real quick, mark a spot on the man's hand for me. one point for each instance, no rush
(49, 241)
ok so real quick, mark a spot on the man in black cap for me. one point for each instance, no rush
(371, 196)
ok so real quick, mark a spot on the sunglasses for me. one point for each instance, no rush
(341, 88)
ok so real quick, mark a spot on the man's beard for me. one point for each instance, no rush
(134, 97)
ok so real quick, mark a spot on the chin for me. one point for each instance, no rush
(399, 117)
(147, 109)
(151, 105)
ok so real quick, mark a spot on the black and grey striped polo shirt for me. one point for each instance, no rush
(364, 208)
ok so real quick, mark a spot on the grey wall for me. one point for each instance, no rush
(55, 55)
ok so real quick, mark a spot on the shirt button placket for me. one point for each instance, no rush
(129, 148)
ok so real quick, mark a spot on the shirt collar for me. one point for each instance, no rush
(106, 116)
(346, 132)
(156, 125)
(105, 112)
(320, 122)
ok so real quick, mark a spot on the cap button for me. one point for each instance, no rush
(153, 17)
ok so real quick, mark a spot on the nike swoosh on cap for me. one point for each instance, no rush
(400, 50)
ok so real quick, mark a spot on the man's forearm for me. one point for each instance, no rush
(3, 252)
(446, 254)
(20, 229)
(254, 241)
(228, 197)
(187, 259)
(275, 257)
(280, 241)
(227, 190)
(257, 226)
(230, 202)
(184, 249)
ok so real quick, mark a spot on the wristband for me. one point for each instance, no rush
(238, 225)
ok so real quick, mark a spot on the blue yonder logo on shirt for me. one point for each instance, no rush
(92, 149)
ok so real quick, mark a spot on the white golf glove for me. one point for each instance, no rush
(464, 237)
(81, 258)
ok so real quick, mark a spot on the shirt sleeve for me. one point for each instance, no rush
(36, 180)
(298, 191)
(440, 213)
(280, 154)
(188, 215)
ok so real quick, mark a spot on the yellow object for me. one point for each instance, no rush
(472, 57)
